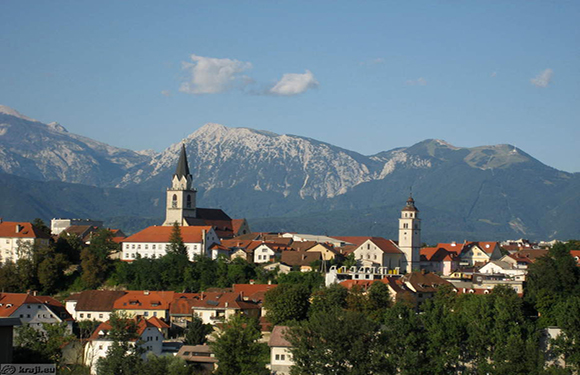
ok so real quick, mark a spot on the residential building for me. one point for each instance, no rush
(93, 304)
(377, 252)
(439, 260)
(59, 225)
(300, 259)
(34, 310)
(199, 355)
(423, 284)
(18, 238)
(280, 356)
(145, 303)
(474, 253)
(153, 242)
(149, 337)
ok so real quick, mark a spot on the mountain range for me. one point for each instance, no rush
(288, 183)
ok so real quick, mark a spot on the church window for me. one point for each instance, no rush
(188, 201)
(174, 201)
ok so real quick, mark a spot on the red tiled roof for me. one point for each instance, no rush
(8, 229)
(191, 234)
(237, 224)
(142, 325)
(277, 338)
(255, 292)
(576, 255)
(144, 300)
(12, 301)
(487, 247)
(211, 300)
(300, 258)
(97, 300)
(437, 254)
(387, 246)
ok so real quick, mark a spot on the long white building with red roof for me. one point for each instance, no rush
(153, 242)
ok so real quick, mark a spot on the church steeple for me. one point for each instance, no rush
(182, 169)
(181, 196)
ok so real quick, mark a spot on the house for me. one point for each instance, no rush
(211, 307)
(503, 268)
(200, 355)
(217, 250)
(282, 268)
(474, 253)
(396, 287)
(93, 304)
(149, 337)
(423, 284)
(145, 303)
(439, 260)
(153, 242)
(280, 355)
(377, 252)
(59, 225)
(17, 239)
(300, 259)
(576, 255)
(268, 251)
(327, 251)
(34, 310)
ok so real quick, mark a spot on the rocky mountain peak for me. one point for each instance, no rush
(12, 112)
(57, 127)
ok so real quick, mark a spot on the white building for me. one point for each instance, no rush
(59, 225)
(153, 242)
(34, 310)
(148, 332)
(379, 252)
(280, 356)
(17, 239)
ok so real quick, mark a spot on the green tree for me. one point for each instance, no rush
(312, 280)
(237, 348)
(379, 300)
(568, 319)
(286, 303)
(167, 365)
(326, 299)
(196, 332)
(39, 225)
(337, 342)
(122, 357)
(95, 261)
(41, 345)
(176, 245)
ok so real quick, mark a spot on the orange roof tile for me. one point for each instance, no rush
(144, 300)
(13, 229)
(191, 234)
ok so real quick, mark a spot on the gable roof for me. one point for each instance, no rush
(97, 300)
(303, 245)
(437, 254)
(162, 234)
(211, 300)
(14, 229)
(144, 300)
(12, 301)
(300, 258)
(277, 338)
(425, 282)
(487, 247)
(142, 325)
(387, 246)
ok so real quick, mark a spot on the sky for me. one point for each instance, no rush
(368, 76)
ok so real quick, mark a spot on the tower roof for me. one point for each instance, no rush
(182, 166)
(410, 206)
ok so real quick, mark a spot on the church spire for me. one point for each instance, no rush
(182, 169)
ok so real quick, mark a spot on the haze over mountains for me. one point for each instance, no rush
(287, 182)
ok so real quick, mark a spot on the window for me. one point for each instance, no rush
(153, 247)
(100, 347)
(174, 201)
(277, 357)
(146, 313)
(282, 357)
(188, 201)
(146, 247)
(89, 316)
(139, 247)
(82, 315)
(28, 306)
(28, 315)
(154, 313)
(133, 246)
(100, 316)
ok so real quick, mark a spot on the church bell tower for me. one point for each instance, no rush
(180, 196)
(410, 235)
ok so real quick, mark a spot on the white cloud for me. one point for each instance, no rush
(208, 75)
(493, 74)
(543, 79)
(166, 93)
(294, 84)
(416, 82)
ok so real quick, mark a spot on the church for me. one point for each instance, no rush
(200, 227)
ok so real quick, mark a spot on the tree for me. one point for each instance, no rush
(167, 365)
(379, 300)
(95, 261)
(196, 332)
(568, 319)
(337, 342)
(312, 280)
(39, 225)
(287, 302)
(328, 298)
(122, 357)
(238, 350)
(41, 345)
(176, 245)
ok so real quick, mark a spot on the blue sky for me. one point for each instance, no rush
(368, 76)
